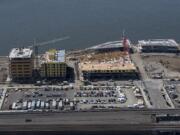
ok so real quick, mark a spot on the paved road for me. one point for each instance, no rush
(139, 63)
(75, 118)
(153, 87)
(84, 121)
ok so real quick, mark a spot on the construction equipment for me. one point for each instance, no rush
(125, 44)
(36, 46)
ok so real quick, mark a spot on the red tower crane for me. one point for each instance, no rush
(125, 45)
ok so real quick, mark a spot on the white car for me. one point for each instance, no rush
(141, 106)
(131, 106)
(122, 100)
(122, 95)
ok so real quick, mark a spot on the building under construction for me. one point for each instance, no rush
(113, 65)
(158, 45)
(21, 64)
(53, 65)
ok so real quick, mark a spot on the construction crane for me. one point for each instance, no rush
(36, 46)
(125, 44)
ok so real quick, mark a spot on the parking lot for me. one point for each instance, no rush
(58, 98)
(38, 98)
(1, 95)
(173, 89)
(96, 97)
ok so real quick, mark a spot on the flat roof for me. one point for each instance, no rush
(114, 64)
(107, 61)
(20, 53)
(54, 56)
(158, 42)
(112, 44)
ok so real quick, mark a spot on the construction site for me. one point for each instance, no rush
(162, 66)
(111, 75)
(104, 66)
(21, 64)
(53, 64)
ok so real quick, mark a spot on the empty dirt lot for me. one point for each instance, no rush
(170, 62)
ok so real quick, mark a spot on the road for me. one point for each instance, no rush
(139, 63)
(74, 65)
(76, 118)
(154, 89)
(85, 121)
(153, 94)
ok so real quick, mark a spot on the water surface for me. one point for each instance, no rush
(87, 22)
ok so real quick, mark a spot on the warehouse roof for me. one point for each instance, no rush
(21, 53)
(158, 42)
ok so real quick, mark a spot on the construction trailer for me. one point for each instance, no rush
(21, 64)
(53, 65)
(158, 45)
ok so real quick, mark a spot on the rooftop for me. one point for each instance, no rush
(54, 56)
(106, 66)
(158, 42)
(115, 64)
(20, 53)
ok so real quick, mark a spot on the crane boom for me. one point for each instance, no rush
(52, 41)
(48, 42)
